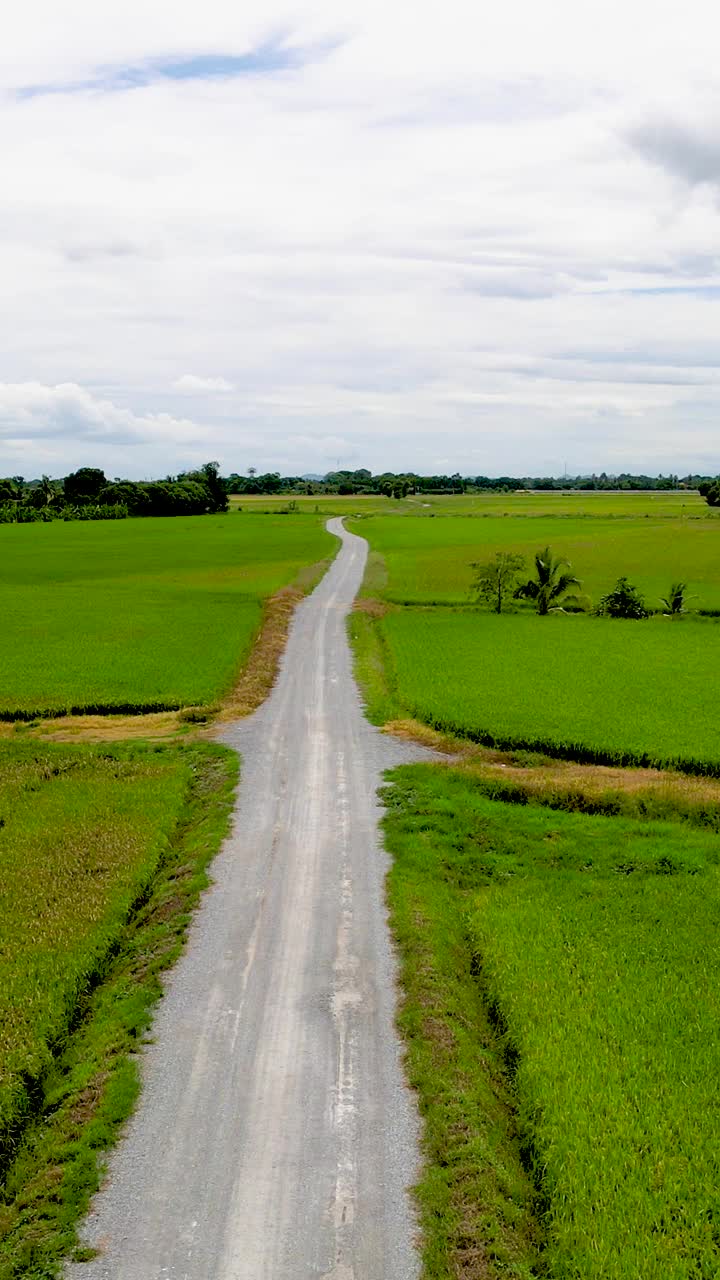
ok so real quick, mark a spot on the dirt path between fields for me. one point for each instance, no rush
(275, 1138)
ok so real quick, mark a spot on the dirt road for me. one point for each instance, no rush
(275, 1137)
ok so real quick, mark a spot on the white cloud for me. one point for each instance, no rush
(190, 382)
(29, 410)
(442, 230)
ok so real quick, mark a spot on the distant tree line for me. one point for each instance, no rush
(409, 483)
(87, 494)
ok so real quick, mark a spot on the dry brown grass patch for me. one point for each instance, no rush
(373, 608)
(258, 677)
(416, 731)
(543, 776)
(159, 724)
(558, 776)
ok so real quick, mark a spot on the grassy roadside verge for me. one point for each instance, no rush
(371, 661)
(559, 1007)
(257, 677)
(477, 1204)
(89, 1083)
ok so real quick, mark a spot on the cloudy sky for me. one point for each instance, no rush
(453, 236)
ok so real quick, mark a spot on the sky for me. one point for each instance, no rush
(297, 236)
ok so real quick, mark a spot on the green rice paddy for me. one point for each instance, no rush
(529, 503)
(585, 688)
(593, 945)
(428, 561)
(561, 1006)
(103, 854)
(139, 614)
(83, 831)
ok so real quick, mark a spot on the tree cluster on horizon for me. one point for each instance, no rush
(89, 494)
(409, 483)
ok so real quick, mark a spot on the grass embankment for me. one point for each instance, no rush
(561, 1007)
(140, 615)
(103, 853)
(587, 689)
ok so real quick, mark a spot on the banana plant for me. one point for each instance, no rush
(675, 600)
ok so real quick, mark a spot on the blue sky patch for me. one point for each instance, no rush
(697, 290)
(269, 58)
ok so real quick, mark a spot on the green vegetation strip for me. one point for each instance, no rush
(103, 854)
(139, 615)
(373, 667)
(477, 1203)
(593, 944)
(588, 689)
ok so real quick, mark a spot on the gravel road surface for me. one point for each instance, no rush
(275, 1138)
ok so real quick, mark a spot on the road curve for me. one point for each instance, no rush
(275, 1137)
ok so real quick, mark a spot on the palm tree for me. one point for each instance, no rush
(47, 490)
(551, 582)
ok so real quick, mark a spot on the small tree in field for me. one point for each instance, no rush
(495, 580)
(624, 601)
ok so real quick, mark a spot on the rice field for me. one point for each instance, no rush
(139, 614)
(427, 561)
(82, 832)
(594, 948)
(530, 503)
(586, 688)
(561, 1007)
